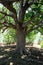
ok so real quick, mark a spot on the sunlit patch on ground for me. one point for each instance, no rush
(7, 49)
(37, 46)
(23, 56)
(11, 63)
(1, 56)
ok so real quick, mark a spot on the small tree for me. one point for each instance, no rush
(27, 18)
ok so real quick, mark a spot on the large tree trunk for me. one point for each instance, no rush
(20, 32)
(20, 40)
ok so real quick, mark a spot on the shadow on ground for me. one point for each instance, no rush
(8, 57)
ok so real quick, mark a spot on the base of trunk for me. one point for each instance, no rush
(21, 51)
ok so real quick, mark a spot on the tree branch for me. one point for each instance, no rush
(7, 24)
(28, 4)
(11, 25)
(21, 12)
(9, 6)
(10, 0)
(35, 26)
(6, 14)
(27, 23)
(4, 27)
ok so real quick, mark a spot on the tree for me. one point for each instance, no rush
(28, 17)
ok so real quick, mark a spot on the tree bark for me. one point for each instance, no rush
(20, 40)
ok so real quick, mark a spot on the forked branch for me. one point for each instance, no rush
(9, 6)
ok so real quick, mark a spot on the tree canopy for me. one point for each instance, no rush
(33, 18)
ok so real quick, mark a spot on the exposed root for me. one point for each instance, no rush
(22, 52)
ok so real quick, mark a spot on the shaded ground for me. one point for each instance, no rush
(8, 57)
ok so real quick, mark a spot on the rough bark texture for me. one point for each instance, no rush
(20, 40)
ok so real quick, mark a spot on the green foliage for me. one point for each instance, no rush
(9, 36)
(41, 43)
(34, 13)
(31, 36)
(11, 20)
(1, 15)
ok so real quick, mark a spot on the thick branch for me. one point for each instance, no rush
(9, 6)
(21, 12)
(28, 4)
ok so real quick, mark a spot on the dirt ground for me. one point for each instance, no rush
(8, 56)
